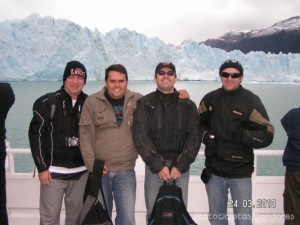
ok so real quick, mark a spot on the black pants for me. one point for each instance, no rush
(292, 198)
(3, 211)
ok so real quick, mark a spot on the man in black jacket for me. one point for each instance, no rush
(233, 121)
(7, 99)
(165, 134)
(55, 149)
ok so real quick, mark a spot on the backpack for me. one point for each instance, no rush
(169, 208)
(92, 211)
(52, 100)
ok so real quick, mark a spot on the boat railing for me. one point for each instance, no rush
(267, 203)
(11, 152)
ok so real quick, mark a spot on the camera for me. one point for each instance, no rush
(72, 141)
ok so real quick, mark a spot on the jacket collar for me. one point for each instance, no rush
(67, 97)
(234, 92)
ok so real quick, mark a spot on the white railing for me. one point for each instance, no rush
(23, 194)
(10, 167)
(11, 152)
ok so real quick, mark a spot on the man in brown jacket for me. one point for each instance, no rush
(105, 133)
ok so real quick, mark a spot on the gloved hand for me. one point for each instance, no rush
(237, 136)
(208, 138)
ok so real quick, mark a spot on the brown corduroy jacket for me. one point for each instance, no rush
(100, 135)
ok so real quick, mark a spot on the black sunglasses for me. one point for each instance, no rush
(232, 75)
(169, 73)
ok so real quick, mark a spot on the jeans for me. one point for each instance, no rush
(153, 183)
(241, 192)
(120, 186)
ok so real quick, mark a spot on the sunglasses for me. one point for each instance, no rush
(169, 73)
(232, 75)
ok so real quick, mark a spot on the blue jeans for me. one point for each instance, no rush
(153, 183)
(120, 186)
(241, 192)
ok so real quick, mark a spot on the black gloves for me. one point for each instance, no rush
(237, 136)
(208, 138)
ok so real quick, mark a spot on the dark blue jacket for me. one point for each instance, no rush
(291, 155)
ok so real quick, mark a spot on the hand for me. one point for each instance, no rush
(208, 138)
(45, 177)
(237, 135)
(164, 174)
(175, 173)
(105, 170)
(183, 94)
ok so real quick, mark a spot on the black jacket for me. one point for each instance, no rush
(228, 115)
(165, 128)
(7, 99)
(49, 138)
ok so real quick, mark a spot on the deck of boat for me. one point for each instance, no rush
(23, 195)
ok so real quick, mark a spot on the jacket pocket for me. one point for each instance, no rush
(235, 152)
(104, 120)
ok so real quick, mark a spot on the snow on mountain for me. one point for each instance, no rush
(37, 48)
(292, 23)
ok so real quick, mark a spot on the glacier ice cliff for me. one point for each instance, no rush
(37, 48)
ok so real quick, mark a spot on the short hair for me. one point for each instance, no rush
(116, 67)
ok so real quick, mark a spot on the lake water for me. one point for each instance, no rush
(277, 98)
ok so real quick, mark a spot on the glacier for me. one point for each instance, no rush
(38, 48)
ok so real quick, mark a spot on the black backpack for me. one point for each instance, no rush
(92, 211)
(169, 208)
(52, 100)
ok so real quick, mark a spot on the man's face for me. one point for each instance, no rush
(229, 80)
(73, 85)
(116, 84)
(165, 80)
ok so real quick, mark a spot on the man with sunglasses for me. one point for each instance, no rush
(165, 134)
(233, 121)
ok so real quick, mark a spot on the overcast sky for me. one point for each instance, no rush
(171, 20)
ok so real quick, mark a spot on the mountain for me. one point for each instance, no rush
(282, 37)
(38, 48)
